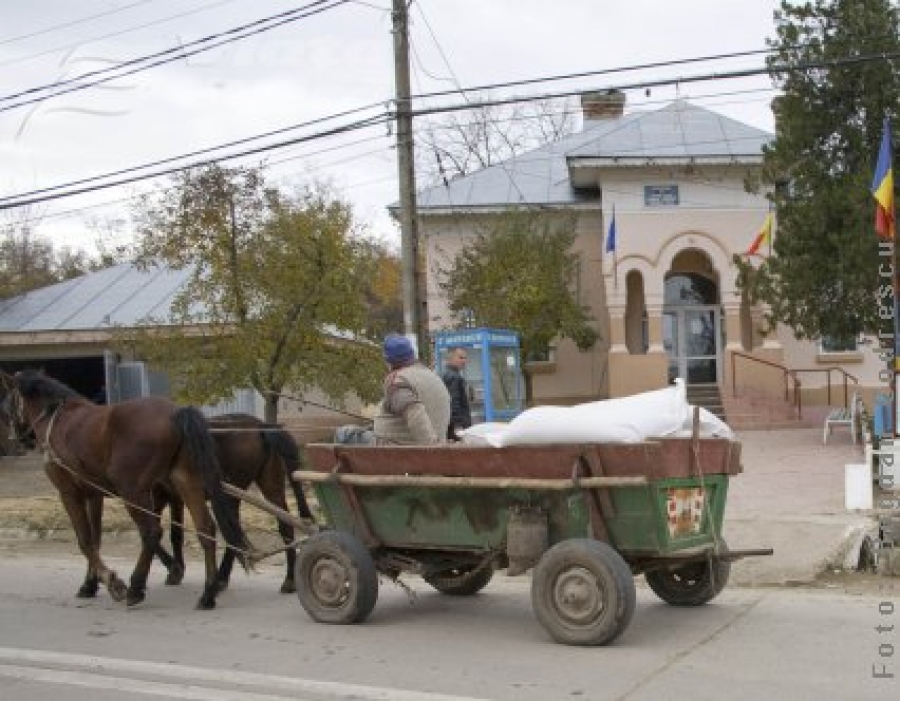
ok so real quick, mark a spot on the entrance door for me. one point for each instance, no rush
(691, 338)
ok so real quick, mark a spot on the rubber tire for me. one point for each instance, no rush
(462, 581)
(594, 570)
(693, 584)
(336, 578)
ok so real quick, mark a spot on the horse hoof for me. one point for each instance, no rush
(135, 596)
(117, 590)
(87, 591)
(288, 587)
(206, 603)
(175, 576)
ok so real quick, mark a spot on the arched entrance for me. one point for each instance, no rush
(692, 323)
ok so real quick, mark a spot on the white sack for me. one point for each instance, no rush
(711, 426)
(478, 434)
(626, 419)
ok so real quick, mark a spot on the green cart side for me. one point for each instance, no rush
(586, 518)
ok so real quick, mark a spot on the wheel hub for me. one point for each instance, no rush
(578, 595)
(328, 580)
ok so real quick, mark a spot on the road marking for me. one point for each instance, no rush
(184, 682)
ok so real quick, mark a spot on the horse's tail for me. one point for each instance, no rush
(283, 444)
(202, 449)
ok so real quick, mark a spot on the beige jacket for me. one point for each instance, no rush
(415, 409)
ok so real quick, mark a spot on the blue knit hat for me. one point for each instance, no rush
(398, 349)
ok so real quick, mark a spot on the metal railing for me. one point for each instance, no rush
(787, 377)
(791, 379)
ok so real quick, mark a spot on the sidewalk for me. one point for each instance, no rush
(790, 497)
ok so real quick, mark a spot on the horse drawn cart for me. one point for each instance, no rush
(587, 518)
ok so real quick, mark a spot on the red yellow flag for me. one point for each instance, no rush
(764, 236)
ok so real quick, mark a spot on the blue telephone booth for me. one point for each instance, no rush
(493, 374)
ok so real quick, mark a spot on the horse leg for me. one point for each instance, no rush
(176, 538)
(174, 563)
(224, 574)
(150, 531)
(193, 496)
(94, 512)
(76, 509)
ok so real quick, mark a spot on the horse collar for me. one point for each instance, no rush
(53, 411)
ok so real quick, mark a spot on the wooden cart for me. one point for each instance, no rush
(586, 518)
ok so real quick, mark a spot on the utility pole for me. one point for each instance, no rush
(413, 308)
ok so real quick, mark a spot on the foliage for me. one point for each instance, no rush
(822, 278)
(29, 261)
(383, 294)
(276, 292)
(461, 143)
(521, 274)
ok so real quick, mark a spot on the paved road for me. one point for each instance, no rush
(775, 643)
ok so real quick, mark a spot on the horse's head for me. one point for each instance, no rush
(13, 410)
(34, 396)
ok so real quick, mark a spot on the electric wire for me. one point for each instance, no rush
(222, 38)
(389, 116)
(192, 154)
(120, 32)
(73, 23)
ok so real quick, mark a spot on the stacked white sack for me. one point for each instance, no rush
(660, 413)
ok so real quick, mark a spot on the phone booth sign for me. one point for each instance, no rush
(493, 374)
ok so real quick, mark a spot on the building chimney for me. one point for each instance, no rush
(609, 104)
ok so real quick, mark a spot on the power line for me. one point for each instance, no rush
(110, 35)
(190, 154)
(222, 38)
(66, 25)
(388, 117)
(361, 124)
(655, 83)
(310, 154)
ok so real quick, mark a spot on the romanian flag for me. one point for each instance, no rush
(764, 236)
(883, 186)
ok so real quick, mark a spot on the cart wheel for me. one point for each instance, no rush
(582, 592)
(462, 581)
(336, 578)
(693, 584)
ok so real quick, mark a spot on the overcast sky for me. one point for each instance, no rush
(331, 62)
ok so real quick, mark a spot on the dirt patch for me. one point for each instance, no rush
(29, 503)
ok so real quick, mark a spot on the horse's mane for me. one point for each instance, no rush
(33, 383)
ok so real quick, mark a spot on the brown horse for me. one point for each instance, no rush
(249, 451)
(130, 450)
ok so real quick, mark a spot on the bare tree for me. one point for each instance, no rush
(460, 143)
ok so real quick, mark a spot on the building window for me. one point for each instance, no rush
(660, 195)
(832, 344)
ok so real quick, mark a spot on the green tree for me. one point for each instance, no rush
(383, 296)
(29, 261)
(521, 274)
(275, 298)
(822, 278)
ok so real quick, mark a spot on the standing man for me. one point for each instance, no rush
(460, 415)
(416, 405)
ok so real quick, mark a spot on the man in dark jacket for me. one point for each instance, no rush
(460, 415)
